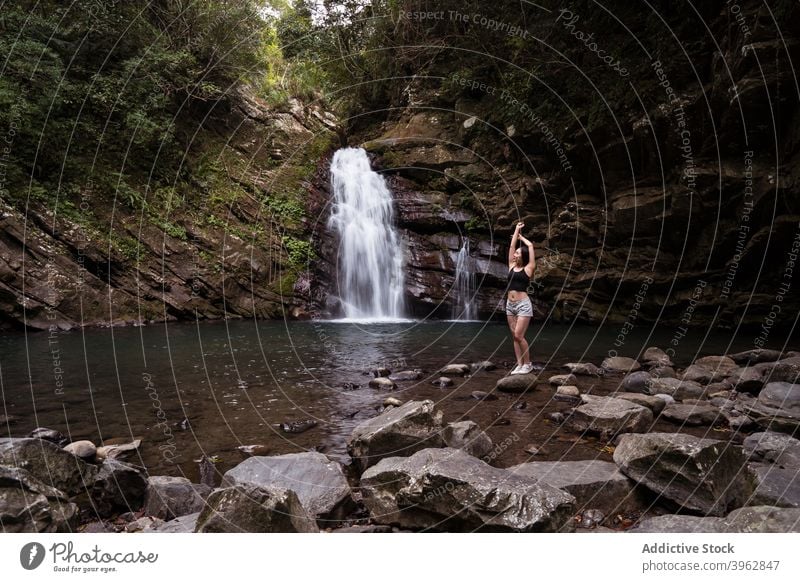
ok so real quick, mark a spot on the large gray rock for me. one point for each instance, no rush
(610, 416)
(594, 484)
(48, 463)
(701, 475)
(745, 520)
(638, 382)
(698, 414)
(85, 450)
(517, 383)
(169, 497)
(584, 369)
(401, 431)
(620, 364)
(253, 509)
(118, 487)
(467, 436)
(678, 389)
(447, 489)
(654, 403)
(777, 407)
(775, 486)
(773, 447)
(755, 356)
(27, 505)
(320, 484)
(562, 380)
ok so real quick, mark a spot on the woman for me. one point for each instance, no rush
(519, 310)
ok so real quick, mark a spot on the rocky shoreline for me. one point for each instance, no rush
(708, 448)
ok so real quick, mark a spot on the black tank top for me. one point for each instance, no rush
(518, 280)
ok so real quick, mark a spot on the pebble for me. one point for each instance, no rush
(480, 395)
(443, 382)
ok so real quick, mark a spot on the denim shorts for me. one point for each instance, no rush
(522, 308)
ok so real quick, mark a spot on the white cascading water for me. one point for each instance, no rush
(370, 261)
(464, 286)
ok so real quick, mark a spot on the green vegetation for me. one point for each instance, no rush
(300, 252)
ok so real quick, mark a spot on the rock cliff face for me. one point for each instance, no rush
(684, 210)
(231, 245)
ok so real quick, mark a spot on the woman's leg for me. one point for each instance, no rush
(519, 338)
(512, 324)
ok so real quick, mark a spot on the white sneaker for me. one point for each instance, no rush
(517, 370)
(526, 369)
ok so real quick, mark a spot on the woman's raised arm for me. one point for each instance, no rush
(514, 238)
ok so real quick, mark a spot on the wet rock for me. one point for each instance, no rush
(120, 451)
(700, 475)
(589, 519)
(703, 374)
(773, 447)
(654, 357)
(636, 382)
(170, 497)
(562, 379)
(594, 484)
(349, 386)
(620, 364)
(746, 380)
(567, 394)
(298, 426)
(678, 389)
(533, 450)
(381, 372)
(786, 370)
(253, 450)
(584, 369)
(745, 520)
(254, 509)
(485, 365)
(144, 524)
(397, 432)
(692, 414)
(85, 450)
(406, 376)
(382, 384)
(518, 383)
(455, 370)
(468, 437)
(390, 401)
(654, 403)
(48, 463)
(28, 505)
(610, 416)
(442, 382)
(182, 524)
(319, 483)
(756, 356)
(481, 395)
(556, 417)
(447, 489)
(775, 486)
(49, 434)
(777, 407)
(118, 487)
(663, 372)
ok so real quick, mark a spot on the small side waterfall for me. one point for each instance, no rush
(464, 285)
(370, 258)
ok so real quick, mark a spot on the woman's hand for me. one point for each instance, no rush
(520, 226)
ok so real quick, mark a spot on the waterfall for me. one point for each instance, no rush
(464, 285)
(370, 258)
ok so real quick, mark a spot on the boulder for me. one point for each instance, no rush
(455, 370)
(485, 365)
(654, 356)
(518, 383)
(562, 380)
(585, 369)
(382, 383)
(776, 408)
(117, 487)
(468, 437)
(773, 447)
(700, 475)
(654, 403)
(48, 463)
(702, 374)
(692, 414)
(620, 364)
(400, 431)
(169, 497)
(594, 484)
(786, 370)
(636, 382)
(49, 434)
(450, 490)
(182, 524)
(678, 389)
(609, 416)
(745, 380)
(756, 356)
(85, 450)
(27, 505)
(745, 520)
(567, 394)
(254, 509)
(406, 376)
(775, 486)
(320, 484)
(662, 372)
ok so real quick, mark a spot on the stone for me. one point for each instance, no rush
(773, 447)
(468, 437)
(443, 382)
(775, 486)
(253, 450)
(786, 370)
(48, 434)
(169, 497)
(756, 356)
(320, 484)
(710, 369)
(85, 450)
(609, 416)
(391, 401)
(745, 520)
(594, 484)
(364, 529)
(567, 394)
(400, 431)
(654, 403)
(620, 364)
(776, 408)
(144, 524)
(121, 451)
(118, 487)
(584, 369)
(48, 463)
(746, 380)
(450, 490)
(382, 384)
(700, 475)
(182, 524)
(481, 395)
(455, 370)
(637, 382)
(518, 383)
(562, 379)
(254, 509)
(406, 376)
(692, 414)
(716, 362)
(485, 365)
(662, 372)
(381, 372)
(654, 356)
(678, 389)
(28, 505)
